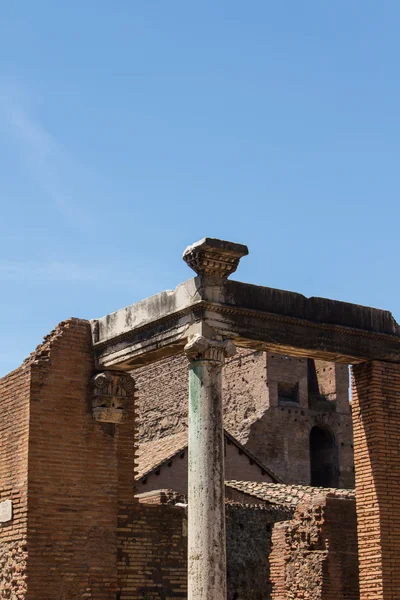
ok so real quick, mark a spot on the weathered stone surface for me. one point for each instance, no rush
(214, 257)
(5, 511)
(206, 524)
(112, 393)
(200, 348)
(13, 558)
(253, 316)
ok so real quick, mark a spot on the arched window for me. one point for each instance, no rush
(323, 458)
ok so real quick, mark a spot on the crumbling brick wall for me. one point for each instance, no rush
(163, 397)
(14, 428)
(314, 556)
(73, 482)
(248, 546)
(69, 477)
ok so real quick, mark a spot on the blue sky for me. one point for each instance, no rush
(130, 129)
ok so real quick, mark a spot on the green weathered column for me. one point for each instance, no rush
(213, 261)
(206, 493)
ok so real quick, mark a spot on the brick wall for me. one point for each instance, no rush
(14, 429)
(158, 553)
(376, 416)
(246, 393)
(315, 554)
(163, 397)
(72, 475)
(276, 434)
(80, 475)
(283, 369)
(153, 558)
(74, 510)
(86, 534)
(248, 547)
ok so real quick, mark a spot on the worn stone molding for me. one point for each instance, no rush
(112, 392)
(211, 256)
(202, 348)
(232, 310)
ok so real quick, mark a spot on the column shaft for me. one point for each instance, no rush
(206, 527)
(206, 490)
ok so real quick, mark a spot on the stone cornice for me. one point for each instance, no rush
(236, 310)
(242, 312)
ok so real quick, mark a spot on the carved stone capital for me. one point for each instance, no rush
(215, 257)
(111, 394)
(202, 348)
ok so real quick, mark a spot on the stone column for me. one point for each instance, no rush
(206, 494)
(213, 261)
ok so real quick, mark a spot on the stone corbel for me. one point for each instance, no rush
(111, 395)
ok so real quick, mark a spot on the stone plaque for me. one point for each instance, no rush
(5, 511)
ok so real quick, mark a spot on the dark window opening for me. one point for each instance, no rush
(323, 458)
(288, 392)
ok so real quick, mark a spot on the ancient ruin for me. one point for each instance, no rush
(76, 518)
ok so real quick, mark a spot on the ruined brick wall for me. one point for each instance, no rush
(281, 439)
(248, 546)
(153, 559)
(163, 397)
(72, 503)
(326, 378)
(283, 369)
(156, 559)
(276, 434)
(14, 430)
(280, 435)
(80, 475)
(333, 383)
(163, 394)
(376, 416)
(315, 554)
(277, 559)
(246, 393)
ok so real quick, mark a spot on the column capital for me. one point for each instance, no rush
(202, 348)
(112, 392)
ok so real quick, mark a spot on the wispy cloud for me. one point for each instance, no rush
(47, 161)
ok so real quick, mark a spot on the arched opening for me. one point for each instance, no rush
(323, 458)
